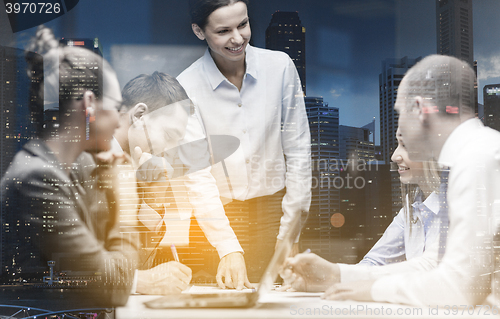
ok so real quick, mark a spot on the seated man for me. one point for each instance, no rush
(110, 196)
(60, 213)
(173, 177)
(435, 103)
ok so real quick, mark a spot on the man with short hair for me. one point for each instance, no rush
(435, 103)
(154, 130)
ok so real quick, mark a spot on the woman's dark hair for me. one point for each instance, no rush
(156, 91)
(200, 10)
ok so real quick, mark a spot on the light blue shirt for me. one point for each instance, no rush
(401, 242)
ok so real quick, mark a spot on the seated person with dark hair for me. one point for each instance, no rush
(45, 212)
(173, 162)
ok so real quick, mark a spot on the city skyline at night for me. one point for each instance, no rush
(347, 40)
(213, 150)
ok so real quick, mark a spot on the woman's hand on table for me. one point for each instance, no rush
(232, 267)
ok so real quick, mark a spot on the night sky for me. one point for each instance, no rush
(346, 40)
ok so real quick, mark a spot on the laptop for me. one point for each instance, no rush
(235, 299)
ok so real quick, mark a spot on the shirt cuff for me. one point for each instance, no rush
(350, 273)
(134, 283)
(228, 246)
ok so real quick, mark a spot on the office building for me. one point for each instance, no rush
(51, 107)
(393, 71)
(379, 211)
(20, 121)
(480, 111)
(286, 33)
(22, 114)
(318, 232)
(477, 108)
(378, 153)
(366, 203)
(454, 29)
(90, 44)
(93, 45)
(491, 97)
(365, 199)
(355, 144)
(454, 33)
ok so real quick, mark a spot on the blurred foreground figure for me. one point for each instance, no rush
(46, 207)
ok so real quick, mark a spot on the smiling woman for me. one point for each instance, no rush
(415, 228)
(227, 32)
(254, 95)
(410, 242)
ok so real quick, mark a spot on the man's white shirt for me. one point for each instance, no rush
(472, 152)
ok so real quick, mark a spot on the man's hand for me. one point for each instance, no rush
(355, 290)
(309, 272)
(151, 168)
(117, 171)
(167, 278)
(232, 268)
(293, 252)
(153, 174)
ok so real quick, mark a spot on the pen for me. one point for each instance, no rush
(174, 252)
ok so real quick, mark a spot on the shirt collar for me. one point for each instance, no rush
(432, 203)
(215, 77)
(251, 61)
(456, 140)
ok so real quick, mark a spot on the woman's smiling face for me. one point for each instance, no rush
(409, 172)
(227, 33)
